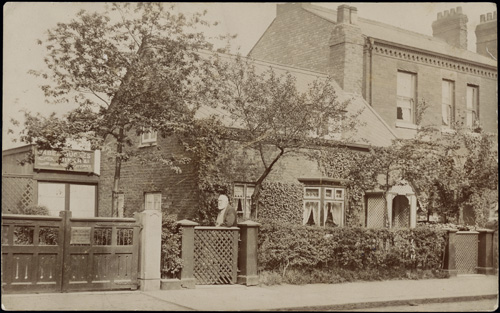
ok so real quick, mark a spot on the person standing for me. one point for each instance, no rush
(227, 215)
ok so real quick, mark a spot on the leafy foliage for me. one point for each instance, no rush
(134, 68)
(171, 237)
(281, 202)
(284, 246)
(275, 117)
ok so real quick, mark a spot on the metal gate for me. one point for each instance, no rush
(466, 251)
(60, 254)
(215, 255)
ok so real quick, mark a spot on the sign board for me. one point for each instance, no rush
(80, 235)
(80, 161)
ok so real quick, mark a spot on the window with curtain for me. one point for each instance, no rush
(406, 96)
(448, 102)
(242, 196)
(323, 206)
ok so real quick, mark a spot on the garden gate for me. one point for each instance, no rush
(215, 255)
(60, 254)
(466, 247)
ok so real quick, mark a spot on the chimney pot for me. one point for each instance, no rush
(354, 15)
(343, 14)
(482, 18)
(489, 16)
(495, 15)
(440, 15)
(459, 10)
(446, 13)
(452, 12)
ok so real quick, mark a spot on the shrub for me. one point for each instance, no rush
(170, 248)
(309, 254)
(35, 210)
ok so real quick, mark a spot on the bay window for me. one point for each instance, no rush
(323, 206)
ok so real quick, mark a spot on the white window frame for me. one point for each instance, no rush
(472, 105)
(404, 102)
(342, 212)
(246, 197)
(156, 201)
(148, 136)
(448, 103)
(321, 204)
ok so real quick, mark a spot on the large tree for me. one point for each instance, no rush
(132, 69)
(275, 117)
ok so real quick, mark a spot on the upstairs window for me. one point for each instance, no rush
(243, 199)
(406, 94)
(323, 206)
(448, 103)
(148, 136)
(472, 108)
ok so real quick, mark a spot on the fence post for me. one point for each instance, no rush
(247, 256)
(485, 252)
(150, 249)
(450, 263)
(187, 253)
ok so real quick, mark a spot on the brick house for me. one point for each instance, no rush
(384, 69)
(145, 185)
(392, 68)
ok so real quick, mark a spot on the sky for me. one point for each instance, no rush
(25, 22)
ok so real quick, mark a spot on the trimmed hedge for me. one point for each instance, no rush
(171, 236)
(376, 252)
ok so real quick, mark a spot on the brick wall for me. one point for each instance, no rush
(429, 80)
(179, 195)
(297, 38)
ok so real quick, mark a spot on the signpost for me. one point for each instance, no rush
(75, 160)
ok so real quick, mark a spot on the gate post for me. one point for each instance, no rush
(450, 264)
(187, 253)
(485, 252)
(247, 256)
(150, 249)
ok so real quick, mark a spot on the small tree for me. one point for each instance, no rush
(274, 117)
(133, 69)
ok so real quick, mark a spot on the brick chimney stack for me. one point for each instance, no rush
(486, 35)
(451, 26)
(346, 50)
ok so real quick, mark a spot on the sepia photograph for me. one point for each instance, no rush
(250, 156)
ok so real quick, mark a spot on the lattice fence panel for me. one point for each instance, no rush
(376, 212)
(402, 217)
(17, 193)
(466, 249)
(215, 256)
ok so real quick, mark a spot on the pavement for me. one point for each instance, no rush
(314, 297)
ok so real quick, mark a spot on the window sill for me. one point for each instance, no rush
(447, 129)
(148, 144)
(407, 125)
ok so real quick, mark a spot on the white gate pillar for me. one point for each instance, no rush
(389, 197)
(150, 249)
(413, 210)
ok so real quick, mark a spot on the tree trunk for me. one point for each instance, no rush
(116, 180)
(256, 194)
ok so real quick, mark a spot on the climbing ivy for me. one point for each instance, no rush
(281, 202)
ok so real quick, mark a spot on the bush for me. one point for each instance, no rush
(35, 210)
(171, 262)
(309, 254)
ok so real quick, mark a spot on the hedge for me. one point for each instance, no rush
(171, 238)
(286, 247)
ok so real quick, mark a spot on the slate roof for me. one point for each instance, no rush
(372, 131)
(404, 37)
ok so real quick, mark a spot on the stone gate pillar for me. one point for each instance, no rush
(150, 249)
(187, 253)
